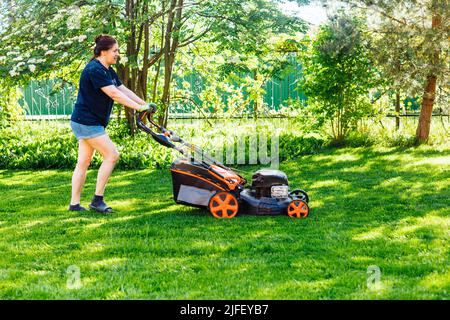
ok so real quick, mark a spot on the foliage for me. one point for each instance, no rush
(337, 75)
(10, 110)
(293, 147)
(405, 44)
(231, 83)
(42, 146)
(413, 50)
(52, 39)
(33, 146)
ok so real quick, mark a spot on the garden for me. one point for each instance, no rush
(351, 104)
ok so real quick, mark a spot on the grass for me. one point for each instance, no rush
(382, 207)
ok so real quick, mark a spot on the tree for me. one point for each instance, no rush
(262, 52)
(231, 82)
(412, 48)
(338, 73)
(53, 38)
(242, 27)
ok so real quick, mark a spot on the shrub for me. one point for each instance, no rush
(43, 146)
(46, 145)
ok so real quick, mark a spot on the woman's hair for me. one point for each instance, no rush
(103, 42)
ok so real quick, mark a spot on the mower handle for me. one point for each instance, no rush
(165, 138)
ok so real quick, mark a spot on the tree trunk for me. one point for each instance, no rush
(423, 128)
(255, 102)
(129, 73)
(155, 81)
(397, 110)
(134, 78)
(170, 47)
(158, 68)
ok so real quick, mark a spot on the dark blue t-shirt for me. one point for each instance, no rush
(93, 106)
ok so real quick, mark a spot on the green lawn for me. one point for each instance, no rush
(383, 207)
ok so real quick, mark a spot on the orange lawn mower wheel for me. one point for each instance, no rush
(298, 209)
(223, 205)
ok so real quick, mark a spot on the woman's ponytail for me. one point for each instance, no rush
(103, 42)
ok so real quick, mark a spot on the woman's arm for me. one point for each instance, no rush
(118, 96)
(130, 94)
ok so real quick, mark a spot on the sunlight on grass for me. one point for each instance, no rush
(112, 262)
(37, 273)
(437, 281)
(346, 158)
(93, 247)
(325, 183)
(95, 225)
(32, 224)
(211, 244)
(436, 223)
(124, 218)
(75, 220)
(371, 235)
(292, 288)
(391, 182)
(443, 162)
(378, 290)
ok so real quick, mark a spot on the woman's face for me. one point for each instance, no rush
(112, 55)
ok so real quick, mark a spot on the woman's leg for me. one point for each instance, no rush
(85, 153)
(108, 150)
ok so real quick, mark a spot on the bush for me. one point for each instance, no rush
(337, 75)
(52, 145)
(10, 110)
(292, 146)
(402, 140)
(43, 146)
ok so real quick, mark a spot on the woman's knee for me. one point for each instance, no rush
(83, 163)
(85, 154)
(113, 156)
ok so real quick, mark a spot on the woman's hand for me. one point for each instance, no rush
(150, 107)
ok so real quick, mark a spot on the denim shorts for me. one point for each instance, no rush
(83, 131)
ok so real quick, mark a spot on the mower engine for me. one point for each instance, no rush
(269, 195)
(270, 183)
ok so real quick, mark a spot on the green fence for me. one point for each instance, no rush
(42, 99)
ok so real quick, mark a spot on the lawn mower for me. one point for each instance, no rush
(201, 181)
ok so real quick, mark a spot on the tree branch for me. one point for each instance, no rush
(192, 39)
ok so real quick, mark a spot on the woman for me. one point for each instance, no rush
(99, 88)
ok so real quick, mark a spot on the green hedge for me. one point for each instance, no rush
(52, 145)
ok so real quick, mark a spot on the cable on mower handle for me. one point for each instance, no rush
(165, 138)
